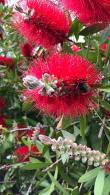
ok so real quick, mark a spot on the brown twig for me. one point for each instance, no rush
(23, 129)
(12, 166)
(51, 166)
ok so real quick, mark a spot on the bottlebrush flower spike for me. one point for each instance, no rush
(6, 61)
(103, 47)
(26, 49)
(90, 11)
(2, 103)
(62, 84)
(2, 122)
(24, 152)
(77, 152)
(41, 22)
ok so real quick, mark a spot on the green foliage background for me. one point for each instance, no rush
(67, 177)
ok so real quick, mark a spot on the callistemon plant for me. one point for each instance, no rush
(62, 84)
(41, 22)
(55, 97)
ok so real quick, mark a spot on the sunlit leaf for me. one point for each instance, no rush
(99, 183)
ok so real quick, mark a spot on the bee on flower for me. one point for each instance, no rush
(62, 84)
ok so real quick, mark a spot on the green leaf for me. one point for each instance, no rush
(99, 183)
(91, 55)
(68, 135)
(47, 191)
(108, 148)
(26, 141)
(57, 184)
(105, 88)
(34, 165)
(92, 29)
(34, 160)
(66, 122)
(75, 191)
(82, 125)
(67, 48)
(41, 148)
(75, 28)
(64, 157)
(27, 106)
(105, 105)
(50, 188)
(89, 175)
(106, 190)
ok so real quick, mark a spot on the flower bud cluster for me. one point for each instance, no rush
(32, 82)
(46, 85)
(78, 152)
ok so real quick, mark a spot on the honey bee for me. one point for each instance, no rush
(81, 87)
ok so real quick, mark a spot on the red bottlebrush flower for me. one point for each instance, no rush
(2, 123)
(107, 167)
(42, 132)
(103, 47)
(6, 61)
(24, 152)
(26, 49)
(90, 11)
(2, 103)
(41, 22)
(2, 1)
(107, 114)
(62, 84)
(75, 48)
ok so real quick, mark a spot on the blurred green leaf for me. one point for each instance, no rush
(82, 125)
(66, 122)
(99, 183)
(68, 135)
(92, 29)
(48, 190)
(106, 190)
(35, 165)
(67, 48)
(27, 106)
(89, 175)
(105, 88)
(75, 28)
(105, 105)
(64, 157)
(75, 191)
(57, 184)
